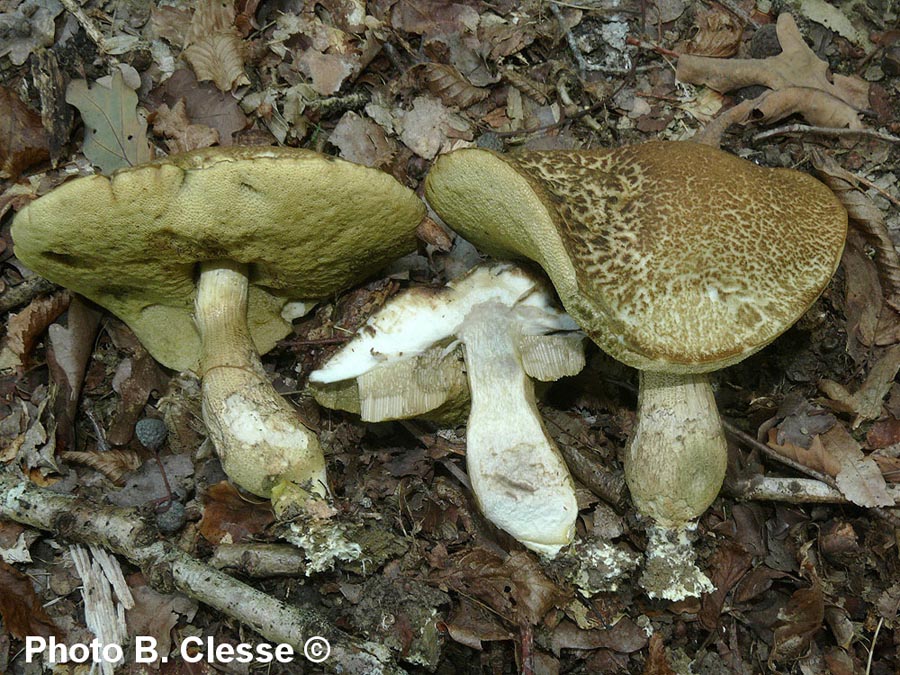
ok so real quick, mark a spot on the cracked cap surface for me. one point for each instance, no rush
(307, 225)
(673, 256)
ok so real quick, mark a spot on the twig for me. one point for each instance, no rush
(747, 439)
(872, 646)
(793, 490)
(168, 568)
(570, 39)
(824, 131)
(738, 12)
(25, 292)
(93, 32)
(883, 513)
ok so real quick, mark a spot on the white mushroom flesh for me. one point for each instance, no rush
(498, 312)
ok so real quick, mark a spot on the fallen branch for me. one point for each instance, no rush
(824, 131)
(794, 491)
(167, 568)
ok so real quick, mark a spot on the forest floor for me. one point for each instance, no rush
(800, 587)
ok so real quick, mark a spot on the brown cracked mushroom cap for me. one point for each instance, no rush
(673, 256)
(306, 224)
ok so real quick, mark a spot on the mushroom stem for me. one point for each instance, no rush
(518, 476)
(674, 466)
(260, 440)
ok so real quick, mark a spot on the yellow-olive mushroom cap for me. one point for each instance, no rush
(673, 256)
(306, 225)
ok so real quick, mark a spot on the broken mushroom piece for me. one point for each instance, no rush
(677, 259)
(510, 331)
(207, 256)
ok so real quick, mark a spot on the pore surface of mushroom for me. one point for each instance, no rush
(677, 259)
(206, 256)
(510, 331)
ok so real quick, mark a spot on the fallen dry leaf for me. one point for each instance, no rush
(229, 518)
(24, 329)
(727, 567)
(362, 141)
(428, 128)
(21, 608)
(181, 135)
(326, 72)
(204, 104)
(625, 636)
(798, 622)
(214, 47)
(115, 135)
(796, 66)
(862, 298)
(219, 57)
(432, 18)
(859, 478)
(70, 350)
(865, 215)
(884, 433)
(136, 377)
(30, 26)
(835, 453)
(516, 587)
(865, 402)
(147, 483)
(114, 464)
(156, 614)
(799, 82)
(657, 661)
(449, 85)
(718, 35)
(23, 141)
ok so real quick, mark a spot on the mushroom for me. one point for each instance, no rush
(207, 256)
(677, 259)
(510, 330)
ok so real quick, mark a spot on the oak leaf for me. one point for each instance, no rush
(115, 135)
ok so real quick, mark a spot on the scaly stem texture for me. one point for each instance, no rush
(675, 462)
(257, 434)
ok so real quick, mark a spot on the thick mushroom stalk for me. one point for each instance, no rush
(674, 466)
(517, 473)
(260, 440)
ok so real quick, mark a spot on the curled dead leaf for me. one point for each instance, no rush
(867, 216)
(181, 134)
(448, 84)
(796, 66)
(23, 141)
(799, 621)
(114, 464)
(23, 329)
(865, 402)
(718, 35)
(219, 57)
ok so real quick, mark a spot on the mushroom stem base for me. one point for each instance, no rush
(674, 466)
(260, 440)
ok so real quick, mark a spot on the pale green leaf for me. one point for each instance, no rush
(115, 135)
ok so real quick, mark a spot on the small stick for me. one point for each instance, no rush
(168, 568)
(25, 292)
(793, 490)
(825, 131)
(93, 32)
(570, 39)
